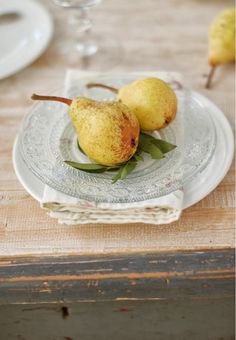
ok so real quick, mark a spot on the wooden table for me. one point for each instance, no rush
(190, 260)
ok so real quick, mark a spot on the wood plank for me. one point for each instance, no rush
(163, 319)
(176, 275)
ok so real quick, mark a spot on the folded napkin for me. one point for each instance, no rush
(70, 210)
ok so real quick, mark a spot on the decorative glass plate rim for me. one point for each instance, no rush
(192, 192)
(136, 199)
(207, 161)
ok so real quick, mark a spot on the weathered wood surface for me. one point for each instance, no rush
(147, 277)
(155, 35)
(128, 320)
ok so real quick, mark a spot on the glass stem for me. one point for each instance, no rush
(80, 25)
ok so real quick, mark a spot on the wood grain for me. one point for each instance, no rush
(154, 37)
(129, 319)
(129, 277)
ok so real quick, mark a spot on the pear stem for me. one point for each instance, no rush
(210, 76)
(112, 89)
(52, 98)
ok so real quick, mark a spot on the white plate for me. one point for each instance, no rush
(194, 191)
(25, 39)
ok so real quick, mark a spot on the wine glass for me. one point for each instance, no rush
(80, 47)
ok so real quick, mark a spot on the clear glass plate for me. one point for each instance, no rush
(47, 138)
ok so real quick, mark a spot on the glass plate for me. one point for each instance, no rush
(47, 138)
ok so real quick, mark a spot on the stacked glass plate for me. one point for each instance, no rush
(47, 138)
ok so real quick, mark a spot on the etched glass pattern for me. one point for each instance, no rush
(47, 138)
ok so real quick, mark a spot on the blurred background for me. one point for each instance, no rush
(150, 35)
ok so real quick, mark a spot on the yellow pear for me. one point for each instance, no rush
(108, 132)
(221, 41)
(151, 99)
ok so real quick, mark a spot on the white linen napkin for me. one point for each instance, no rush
(70, 210)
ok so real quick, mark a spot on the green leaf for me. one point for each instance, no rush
(145, 137)
(113, 168)
(89, 167)
(161, 144)
(79, 147)
(155, 152)
(138, 157)
(164, 146)
(144, 145)
(144, 142)
(124, 171)
(148, 146)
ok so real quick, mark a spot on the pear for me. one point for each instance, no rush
(108, 132)
(221, 41)
(151, 99)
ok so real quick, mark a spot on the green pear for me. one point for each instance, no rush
(108, 132)
(151, 99)
(221, 41)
